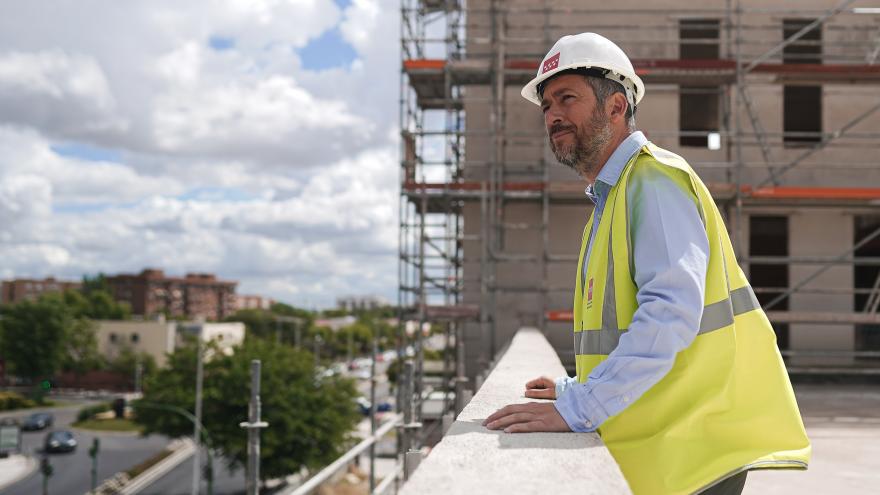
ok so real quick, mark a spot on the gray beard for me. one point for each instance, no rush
(589, 145)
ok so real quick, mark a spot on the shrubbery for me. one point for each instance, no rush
(12, 400)
(90, 412)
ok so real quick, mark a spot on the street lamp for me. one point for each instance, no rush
(318, 342)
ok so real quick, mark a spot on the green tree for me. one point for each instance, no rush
(82, 347)
(96, 304)
(310, 418)
(104, 307)
(282, 309)
(98, 282)
(35, 336)
(126, 361)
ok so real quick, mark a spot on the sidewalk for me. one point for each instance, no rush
(15, 468)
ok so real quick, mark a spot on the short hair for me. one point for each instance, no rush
(602, 88)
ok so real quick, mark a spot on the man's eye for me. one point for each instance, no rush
(567, 97)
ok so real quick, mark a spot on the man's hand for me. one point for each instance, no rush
(521, 418)
(541, 388)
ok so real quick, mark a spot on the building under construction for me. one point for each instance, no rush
(777, 109)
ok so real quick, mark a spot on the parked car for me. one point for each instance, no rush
(59, 441)
(38, 421)
(363, 405)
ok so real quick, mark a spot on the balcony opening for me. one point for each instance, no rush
(867, 277)
(698, 106)
(768, 236)
(802, 105)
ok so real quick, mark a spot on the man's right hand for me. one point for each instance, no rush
(541, 388)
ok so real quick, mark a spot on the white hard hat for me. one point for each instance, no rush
(587, 51)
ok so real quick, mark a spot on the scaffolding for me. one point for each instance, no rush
(476, 227)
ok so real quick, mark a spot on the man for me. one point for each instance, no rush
(677, 365)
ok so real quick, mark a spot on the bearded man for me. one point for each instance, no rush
(677, 364)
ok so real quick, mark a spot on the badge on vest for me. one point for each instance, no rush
(590, 294)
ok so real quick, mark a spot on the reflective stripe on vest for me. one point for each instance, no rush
(603, 341)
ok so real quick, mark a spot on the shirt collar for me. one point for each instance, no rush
(610, 172)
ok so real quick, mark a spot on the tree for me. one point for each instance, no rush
(96, 304)
(310, 418)
(258, 322)
(98, 282)
(81, 347)
(125, 363)
(35, 336)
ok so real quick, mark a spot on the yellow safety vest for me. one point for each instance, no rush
(726, 405)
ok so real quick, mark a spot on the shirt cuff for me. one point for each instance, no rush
(580, 410)
(563, 383)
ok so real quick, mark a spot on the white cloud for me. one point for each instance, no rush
(239, 161)
(272, 118)
(67, 93)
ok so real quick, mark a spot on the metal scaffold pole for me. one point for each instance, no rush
(253, 426)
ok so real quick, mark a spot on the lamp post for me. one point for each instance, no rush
(318, 341)
(93, 453)
(197, 425)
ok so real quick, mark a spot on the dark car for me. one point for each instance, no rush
(59, 441)
(364, 406)
(38, 421)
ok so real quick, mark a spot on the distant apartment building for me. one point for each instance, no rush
(151, 293)
(356, 303)
(244, 301)
(26, 289)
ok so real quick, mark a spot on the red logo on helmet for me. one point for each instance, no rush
(551, 63)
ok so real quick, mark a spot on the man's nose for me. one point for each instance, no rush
(552, 117)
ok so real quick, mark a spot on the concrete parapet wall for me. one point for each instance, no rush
(472, 459)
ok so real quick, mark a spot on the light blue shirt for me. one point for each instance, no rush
(670, 256)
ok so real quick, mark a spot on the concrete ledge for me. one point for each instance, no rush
(182, 449)
(472, 459)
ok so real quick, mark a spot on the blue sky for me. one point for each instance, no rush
(87, 152)
(327, 51)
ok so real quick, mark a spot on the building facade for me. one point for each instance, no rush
(151, 293)
(778, 110)
(160, 338)
(243, 301)
(24, 289)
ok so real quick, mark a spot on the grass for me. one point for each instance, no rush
(113, 424)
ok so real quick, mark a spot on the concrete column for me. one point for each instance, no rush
(826, 233)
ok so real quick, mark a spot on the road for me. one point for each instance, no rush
(179, 481)
(72, 472)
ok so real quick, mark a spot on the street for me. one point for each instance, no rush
(72, 472)
(179, 480)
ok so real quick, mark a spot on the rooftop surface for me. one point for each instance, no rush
(843, 423)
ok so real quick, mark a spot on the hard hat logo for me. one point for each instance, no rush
(551, 63)
(592, 52)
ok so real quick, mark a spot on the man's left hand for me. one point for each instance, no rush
(522, 418)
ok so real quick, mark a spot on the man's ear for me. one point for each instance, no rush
(616, 106)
